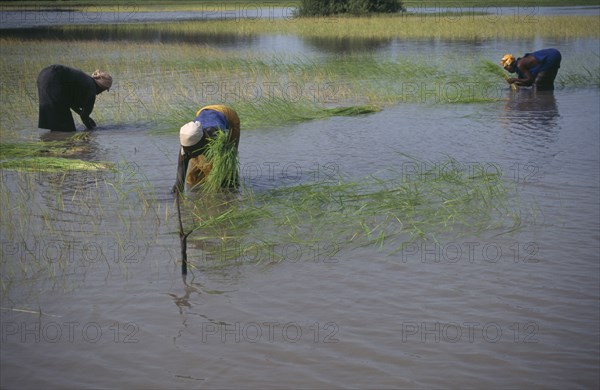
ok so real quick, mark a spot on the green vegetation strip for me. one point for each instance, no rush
(266, 113)
(52, 164)
(132, 6)
(48, 156)
(199, 5)
(414, 26)
(388, 212)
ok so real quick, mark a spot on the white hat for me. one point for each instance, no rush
(190, 134)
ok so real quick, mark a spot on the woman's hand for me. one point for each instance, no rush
(89, 123)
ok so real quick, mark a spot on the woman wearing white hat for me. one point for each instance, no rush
(194, 136)
(62, 89)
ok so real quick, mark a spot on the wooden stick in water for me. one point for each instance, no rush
(182, 236)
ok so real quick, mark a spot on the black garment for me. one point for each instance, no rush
(61, 89)
(545, 80)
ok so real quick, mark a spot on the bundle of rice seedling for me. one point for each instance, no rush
(223, 156)
(52, 164)
(351, 110)
(491, 67)
(73, 145)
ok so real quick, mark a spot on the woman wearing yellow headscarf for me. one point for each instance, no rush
(538, 68)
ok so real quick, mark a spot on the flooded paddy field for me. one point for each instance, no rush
(441, 231)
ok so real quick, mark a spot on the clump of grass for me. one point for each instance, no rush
(351, 111)
(588, 76)
(48, 156)
(53, 164)
(73, 145)
(386, 212)
(223, 156)
(280, 112)
(268, 113)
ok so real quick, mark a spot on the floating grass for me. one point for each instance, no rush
(73, 145)
(280, 111)
(53, 164)
(351, 111)
(49, 156)
(388, 212)
(268, 113)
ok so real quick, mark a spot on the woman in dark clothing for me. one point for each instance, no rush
(538, 68)
(62, 89)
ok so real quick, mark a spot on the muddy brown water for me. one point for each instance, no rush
(93, 295)
(496, 311)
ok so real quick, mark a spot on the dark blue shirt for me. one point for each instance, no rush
(212, 118)
(548, 59)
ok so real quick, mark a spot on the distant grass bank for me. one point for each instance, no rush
(498, 3)
(380, 27)
(207, 5)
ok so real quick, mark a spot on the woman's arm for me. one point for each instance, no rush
(524, 65)
(86, 110)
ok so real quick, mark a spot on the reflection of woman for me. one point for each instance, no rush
(62, 89)
(194, 137)
(532, 115)
(538, 68)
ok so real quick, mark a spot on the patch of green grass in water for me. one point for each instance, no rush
(52, 164)
(388, 213)
(266, 113)
(48, 156)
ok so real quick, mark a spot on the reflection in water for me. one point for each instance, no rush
(347, 44)
(113, 33)
(533, 114)
(154, 33)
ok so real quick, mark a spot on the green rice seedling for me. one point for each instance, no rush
(223, 156)
(53, 164)
(49, 156)
(29, 149)
(73, 145)
(384, 212)
(351, 111)
(587, 76)
(490, 67)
